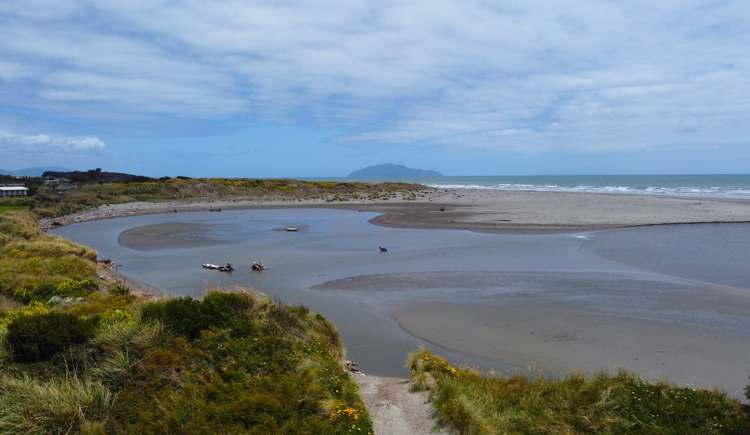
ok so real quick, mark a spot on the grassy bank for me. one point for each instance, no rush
(50, 203)
(35, 266)
(108, 361)
(12, 207)
(470, 402)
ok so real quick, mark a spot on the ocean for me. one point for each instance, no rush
(724, 185)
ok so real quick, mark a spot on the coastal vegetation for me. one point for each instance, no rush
(13, 207)
(109, 361)
(35, 266)
(49, 201)
(471, 402)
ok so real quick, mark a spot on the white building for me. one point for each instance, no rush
(13, 191)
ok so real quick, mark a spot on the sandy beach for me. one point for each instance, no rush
(530, 211)
(482, 210)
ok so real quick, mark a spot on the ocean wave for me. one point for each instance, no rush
(710, 191)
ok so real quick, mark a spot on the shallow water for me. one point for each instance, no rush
(333, 266)
(715, 253)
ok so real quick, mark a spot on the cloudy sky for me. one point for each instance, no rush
(319, 88)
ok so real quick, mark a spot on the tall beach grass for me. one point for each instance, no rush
(471, 402)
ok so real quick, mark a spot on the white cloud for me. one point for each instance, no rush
(587, 75)
(45, 142)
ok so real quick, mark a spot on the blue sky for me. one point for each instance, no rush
(320, 88)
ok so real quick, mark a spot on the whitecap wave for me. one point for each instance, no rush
(712, 191)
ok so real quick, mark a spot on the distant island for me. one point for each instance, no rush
(95, 176)
(392, 170)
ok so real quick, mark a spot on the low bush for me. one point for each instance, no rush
(39, 337)
(183, 316)
(188, 317)
(30, 309)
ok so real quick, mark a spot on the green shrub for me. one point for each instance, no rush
(228, 310)
(39, 337)
(188, 317)
(183, 316)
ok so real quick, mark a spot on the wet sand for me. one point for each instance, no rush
(555, 323)
(556, 339)
(482, 210)
(173, 234)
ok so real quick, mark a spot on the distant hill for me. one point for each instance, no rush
(32, 172)
(95, 176)
(392, 170)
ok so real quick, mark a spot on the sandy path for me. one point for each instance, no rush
(394, 409)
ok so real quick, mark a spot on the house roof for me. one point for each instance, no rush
(6, 188)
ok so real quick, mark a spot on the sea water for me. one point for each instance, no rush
(722, 185)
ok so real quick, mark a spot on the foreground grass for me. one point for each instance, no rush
(48, 203)
(474, 403)
(113, 362)
(232, 363)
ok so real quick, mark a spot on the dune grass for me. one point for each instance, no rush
(57, 406)
(36, 266)
(470, 402)
(49, 203)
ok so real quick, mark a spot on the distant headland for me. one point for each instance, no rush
(392, 170)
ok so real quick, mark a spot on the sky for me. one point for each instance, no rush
(311, 88)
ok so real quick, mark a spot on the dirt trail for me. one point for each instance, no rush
(394, 409)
